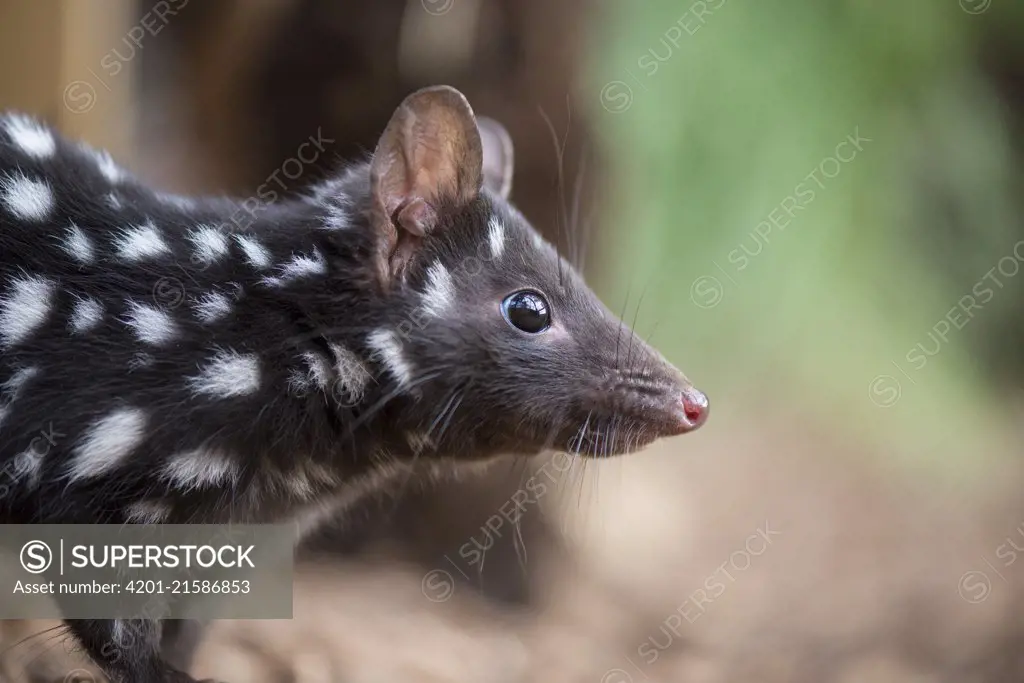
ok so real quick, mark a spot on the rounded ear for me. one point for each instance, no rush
(498, 156)
(429, 156)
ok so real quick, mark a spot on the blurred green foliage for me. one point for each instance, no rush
(715, 112)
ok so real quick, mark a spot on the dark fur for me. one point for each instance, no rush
(481, 387)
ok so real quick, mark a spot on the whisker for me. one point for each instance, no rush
(583, 475)
(52, 643)
(579, 446)
(519, 544)
(52, 638)
(441, 413)
(31, 636)
(574, 219)
(654, 328)
(559, 151)
(578, 438)
(622, 314)
(571, 236)
(400, 494)
(613, 429)
(648, 361)
(483, 558)
(379, 405)
(632, 328)
(416, 454)
(587, 233)
(451, 413)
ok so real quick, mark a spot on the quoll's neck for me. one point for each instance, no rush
(326, 292)
(317, 311)
(305, 305)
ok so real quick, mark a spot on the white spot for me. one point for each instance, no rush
(86, 315)
(353, 375)
(151, 325)
(10, 389)
(228, 374)
(300, 266)
(440, 291)
(201, 467)
(107, 166)
(316, 376)
(113, 201)
(28, 464)
(141, 242)
(298, 383)
(328, 189)
(77, 244)
(212, 306)
(18, 380)
(176, 200)
(337, 216)
(538, 241)
(496, 237)
(146, 512)
(28, 199)
(388, 350)
(347, 379)
(107, 442)
(210, 245)
(25, 308)
(332, 190)
(31, 137)
(117, 632)
(255, 253)
(318, 369)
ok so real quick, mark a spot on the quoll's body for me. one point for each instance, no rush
(160, 362)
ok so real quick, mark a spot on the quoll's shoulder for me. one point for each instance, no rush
(25, 141)
(24, 135)
(47, 180)
(51, 183)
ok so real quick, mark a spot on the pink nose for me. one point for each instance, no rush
(695, 407)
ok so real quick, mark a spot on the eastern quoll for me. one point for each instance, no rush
(190, 368)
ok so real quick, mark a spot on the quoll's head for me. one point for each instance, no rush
(500, 346)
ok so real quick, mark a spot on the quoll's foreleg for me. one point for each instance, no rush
(128, 650)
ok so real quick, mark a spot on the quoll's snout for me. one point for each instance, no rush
(695, 409)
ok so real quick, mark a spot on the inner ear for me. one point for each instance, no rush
(429, 158)
(498, 156)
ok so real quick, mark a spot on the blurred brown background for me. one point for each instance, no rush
(817, 529)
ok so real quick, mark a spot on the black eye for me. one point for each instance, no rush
(527, 310)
